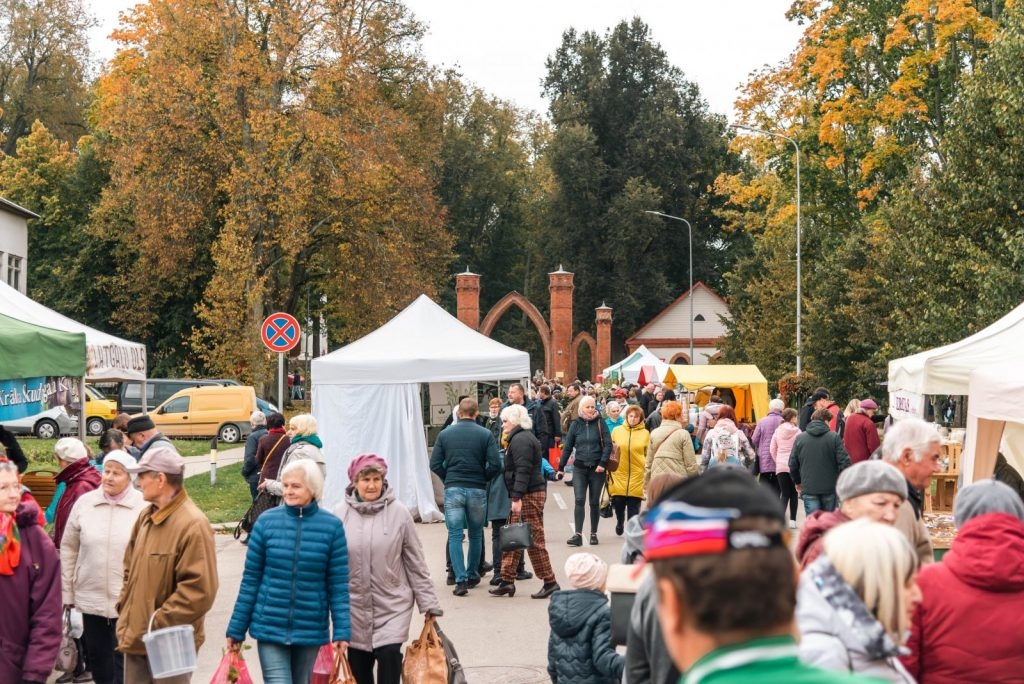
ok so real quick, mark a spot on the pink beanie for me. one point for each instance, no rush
(364, 462)
(586, 571)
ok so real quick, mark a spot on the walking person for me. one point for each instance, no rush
(725, 443)
(781, 448)
(250, 466)
(388, 573)
(304, 444)
(92, 561)
(588, 440)
(528, 490)
(761, 440)
(861, 436)
(465, 456)
(914, 448)
(817, 458)
(170, 564)
(77, 475)
(271, 448)
(626, 483)
(30, 628)
(295, 583)
(670, 449)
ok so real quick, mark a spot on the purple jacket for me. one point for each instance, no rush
(79, 477)
(762, 440)
(31, 627)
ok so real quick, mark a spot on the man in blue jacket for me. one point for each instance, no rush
(465, 457)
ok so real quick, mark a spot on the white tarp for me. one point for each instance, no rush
(629, 368)
(995, 420)
(366, 395)
(107, 357)
(944, 370)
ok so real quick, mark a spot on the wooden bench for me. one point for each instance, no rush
(43, 485)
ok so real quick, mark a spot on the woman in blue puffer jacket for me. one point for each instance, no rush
(296, 571)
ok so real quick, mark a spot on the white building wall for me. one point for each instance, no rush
(13, 242)
(675, 324)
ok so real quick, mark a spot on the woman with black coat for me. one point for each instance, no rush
(589, 436)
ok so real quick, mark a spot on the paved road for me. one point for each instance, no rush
(500, 640)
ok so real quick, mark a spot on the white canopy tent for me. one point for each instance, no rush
(995, 420)
(945, 370)
(629, 369)
(107, 357)
(366, 395)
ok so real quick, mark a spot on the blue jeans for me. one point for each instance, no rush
(286, 664)
(818, 502)
(465, 508)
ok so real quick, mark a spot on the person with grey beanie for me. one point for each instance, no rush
(869, 489)
(977, 589)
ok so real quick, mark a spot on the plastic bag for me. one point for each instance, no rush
(77, 625)
(323, 668)
(232, 670)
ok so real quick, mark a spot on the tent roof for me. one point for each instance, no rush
(733, 376)
(641, 357)
(423, 343)
(29, 351)
(107, 357)
(945, 370)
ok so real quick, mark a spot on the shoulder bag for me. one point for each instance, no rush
(514, 536)
(425, 660)
(263, 502)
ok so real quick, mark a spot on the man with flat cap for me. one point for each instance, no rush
(170, 565)
(142, 433)
(727, 583)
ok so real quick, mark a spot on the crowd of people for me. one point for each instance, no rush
(706, 507)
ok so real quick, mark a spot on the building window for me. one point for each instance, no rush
(699, 317)
(14, 271)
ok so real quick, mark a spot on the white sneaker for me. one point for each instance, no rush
(792, 524)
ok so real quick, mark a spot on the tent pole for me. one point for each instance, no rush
(81, 410)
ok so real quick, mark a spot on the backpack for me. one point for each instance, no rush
(727, 443)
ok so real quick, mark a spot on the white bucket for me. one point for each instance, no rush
(171, 651)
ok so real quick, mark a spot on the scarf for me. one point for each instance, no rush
(312, 439)
(10, 544)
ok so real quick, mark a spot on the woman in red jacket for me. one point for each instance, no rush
(860, 437)
(967, 626)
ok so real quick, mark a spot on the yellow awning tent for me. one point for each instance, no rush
(748, 385)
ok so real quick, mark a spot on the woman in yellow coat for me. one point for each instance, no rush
(626, 484)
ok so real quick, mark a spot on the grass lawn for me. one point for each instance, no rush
(227, 501)
(40, 451)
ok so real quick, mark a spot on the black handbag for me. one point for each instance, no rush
(263, 502)
(514, 536)
(606, 510)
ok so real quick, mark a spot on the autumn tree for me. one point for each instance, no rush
(44, 60)
(269, 153)
(631, 134)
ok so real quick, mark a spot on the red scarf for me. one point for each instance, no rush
(10, 544)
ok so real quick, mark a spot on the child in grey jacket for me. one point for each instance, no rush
(580, 646)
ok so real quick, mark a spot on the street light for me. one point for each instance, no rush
(798, 298)
(690, 230)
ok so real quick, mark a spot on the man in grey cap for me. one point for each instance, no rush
(914, 447)
(870, 489)
(142, 433)
(170, 565)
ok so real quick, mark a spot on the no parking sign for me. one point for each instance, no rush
(280, 332)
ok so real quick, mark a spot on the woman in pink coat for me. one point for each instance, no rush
(782, 445)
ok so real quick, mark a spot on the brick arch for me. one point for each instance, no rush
(583, 337)
(681, 357)
(531, 311)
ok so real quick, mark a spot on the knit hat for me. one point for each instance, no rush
(586, 571)
(986, 496)
(776, 405)
(122, 457)
(366, 462)
(139, 424)
(869, 404)
(70, 449)
(868, 477)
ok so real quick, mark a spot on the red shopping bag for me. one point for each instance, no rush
(232, 670)
(323, 668)
(554, 455)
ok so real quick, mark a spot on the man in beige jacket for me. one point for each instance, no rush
(914, 447)
(170, 565)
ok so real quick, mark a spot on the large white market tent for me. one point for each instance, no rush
(366, 395)
(995, 420)
(945, 370)
(107, 357)
(630, 368)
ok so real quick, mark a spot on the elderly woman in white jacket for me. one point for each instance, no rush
(855, 602)
(305, 443)
(92, 562)
(387, 572)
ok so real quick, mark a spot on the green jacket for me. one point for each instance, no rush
(817, 458)
(769, 660)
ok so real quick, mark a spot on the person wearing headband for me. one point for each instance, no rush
(727, 582)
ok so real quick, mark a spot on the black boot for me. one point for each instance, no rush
(503, 589)
(548, 589)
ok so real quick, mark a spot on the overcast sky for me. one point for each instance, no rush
(502, 46)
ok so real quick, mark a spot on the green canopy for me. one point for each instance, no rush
(30, 351)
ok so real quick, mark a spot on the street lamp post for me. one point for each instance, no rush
(689, 229)
(798, 297)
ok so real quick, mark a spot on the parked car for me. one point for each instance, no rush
(207, 411)
(99, 411)
(262, 404)
(158, 390)
(49, 424)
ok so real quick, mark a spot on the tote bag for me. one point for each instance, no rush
(425, 661)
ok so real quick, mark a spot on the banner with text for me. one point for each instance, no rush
(25, 397)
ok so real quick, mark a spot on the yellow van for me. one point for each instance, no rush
(207, 411)
(99, 411)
